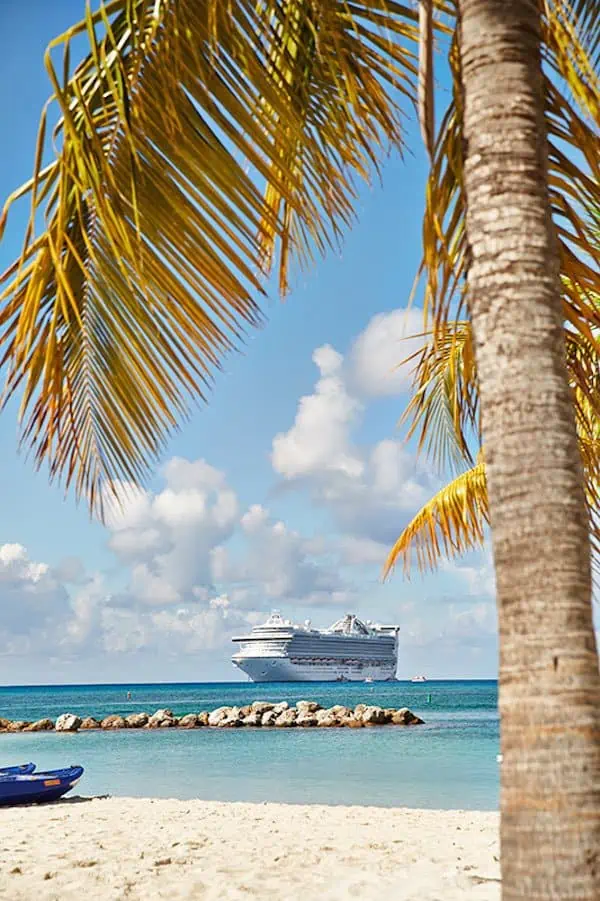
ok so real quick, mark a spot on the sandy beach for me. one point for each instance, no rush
(121, 848)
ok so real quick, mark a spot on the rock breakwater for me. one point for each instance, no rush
(259, 714)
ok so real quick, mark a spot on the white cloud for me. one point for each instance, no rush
(362, 551)
(475, 571)
(178, 548)
(31, 595)
(370, 492)
(183, 586)
(318, 439)
(168, 538)
(376, 355)
(194, 568)
(279, 565)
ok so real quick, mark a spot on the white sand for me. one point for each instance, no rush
(120, 848)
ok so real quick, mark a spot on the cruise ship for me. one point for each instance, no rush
(350, 650)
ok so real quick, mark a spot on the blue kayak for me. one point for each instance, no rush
(21, 770)
(35, 788)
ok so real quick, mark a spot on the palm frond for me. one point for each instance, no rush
(453, 521)
(587, 14)
(197, 141)
(573, 121)
(426, 92)
(444, 406)
(450, 524)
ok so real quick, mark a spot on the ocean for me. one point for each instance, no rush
(448, 763)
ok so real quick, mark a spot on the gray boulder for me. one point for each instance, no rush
(162, 719)
(40, 726)
(114, 721)
(286, 718)
(306, 718)
(339, 710)
(189, 721)
(326, 718)
(373, 716)
(261, 707)
(225, 717)
(307, 706)
(137, 720)
(253, 719)
(217, 716)
(269, 717)
(169, 723)
(351, 722)
(233, 720)
(89, 722)
(67, 722)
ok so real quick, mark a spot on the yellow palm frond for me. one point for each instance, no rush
(450, 524)
(583, 366)
(587, 14)
(453, 522)
(573, 119)
(444, 406)
(195, 138)
(445, 410)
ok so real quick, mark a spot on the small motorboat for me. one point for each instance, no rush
(20, 770)
(418, 679)
(36, 788)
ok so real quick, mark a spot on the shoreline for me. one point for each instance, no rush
(139, 848)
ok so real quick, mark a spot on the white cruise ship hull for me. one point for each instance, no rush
(282, 669)
(279, 651)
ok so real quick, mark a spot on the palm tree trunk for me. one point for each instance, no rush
(549, 676)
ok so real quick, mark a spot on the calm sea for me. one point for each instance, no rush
(448, 763)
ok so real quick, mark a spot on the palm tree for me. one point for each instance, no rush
(549, 680)
(201, 141)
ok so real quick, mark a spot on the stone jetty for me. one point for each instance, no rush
(259, 714)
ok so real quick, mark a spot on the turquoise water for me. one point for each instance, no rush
(448, 763)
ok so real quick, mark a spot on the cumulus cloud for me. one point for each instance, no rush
(376, 356)
(370, 492)
(194, 567)
(318, 440)
(177, 546)
(281, 564)
(31, 595)
(476, 573)
(361, 551)
(168, 538)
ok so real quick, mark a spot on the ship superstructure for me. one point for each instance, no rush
(349, 650)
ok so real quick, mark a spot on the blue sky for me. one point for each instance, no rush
(285, 491)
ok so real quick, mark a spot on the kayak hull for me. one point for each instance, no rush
(37, 788)
(22, 769)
